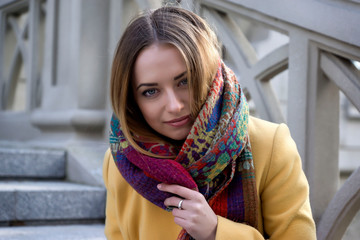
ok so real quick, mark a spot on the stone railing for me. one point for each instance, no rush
(22, 29)
(57, 54)
(54, 65)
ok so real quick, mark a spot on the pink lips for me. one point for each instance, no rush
(179, 122)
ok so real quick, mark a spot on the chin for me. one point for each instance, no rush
(181, 138)
(178, 137)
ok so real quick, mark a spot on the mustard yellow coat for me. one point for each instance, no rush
(283, 192)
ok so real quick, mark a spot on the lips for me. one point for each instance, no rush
(179, 122)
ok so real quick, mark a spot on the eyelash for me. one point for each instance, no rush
(185, 81)
(147, 93)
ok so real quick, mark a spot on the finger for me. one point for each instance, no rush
(181, 221)
(181, 213)
(173, 202)
(178, 190)
(184, 223)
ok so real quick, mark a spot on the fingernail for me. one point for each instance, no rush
(159, 186)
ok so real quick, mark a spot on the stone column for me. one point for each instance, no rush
(74, 79)
(72, 113)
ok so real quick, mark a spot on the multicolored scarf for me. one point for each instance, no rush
(215, 158)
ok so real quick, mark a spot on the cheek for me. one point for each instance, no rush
(148, 110)
(186, 98)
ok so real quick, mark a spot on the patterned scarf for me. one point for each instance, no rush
(215, 158)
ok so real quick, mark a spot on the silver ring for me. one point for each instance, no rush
(180, 204)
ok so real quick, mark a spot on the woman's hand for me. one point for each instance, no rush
(195, 215)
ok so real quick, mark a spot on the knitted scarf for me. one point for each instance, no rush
(215, 159)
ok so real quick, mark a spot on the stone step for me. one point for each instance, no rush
(23, 201)
(32, 163)
(69, 232)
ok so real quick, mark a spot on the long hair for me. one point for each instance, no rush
(194, 39)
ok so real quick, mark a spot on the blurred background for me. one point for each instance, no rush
(298, 61)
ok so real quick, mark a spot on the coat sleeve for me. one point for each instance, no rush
(112, 231)
(284, 198)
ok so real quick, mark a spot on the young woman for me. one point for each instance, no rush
(186, 161)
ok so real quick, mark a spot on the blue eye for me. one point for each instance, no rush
(149, 92)
(183, 82)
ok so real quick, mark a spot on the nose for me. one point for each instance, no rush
(174, 103)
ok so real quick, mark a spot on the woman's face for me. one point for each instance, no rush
(161, 90)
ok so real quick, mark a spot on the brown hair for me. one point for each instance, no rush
(183, 29)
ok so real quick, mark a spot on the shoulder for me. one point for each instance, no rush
(267, 135)
(273, 148)
(262, 135)
(260, 129)
(270, 137)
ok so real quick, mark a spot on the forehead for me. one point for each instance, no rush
(158, 62)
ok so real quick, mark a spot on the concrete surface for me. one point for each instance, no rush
(32, 163)
(50, 200)
(71, 232)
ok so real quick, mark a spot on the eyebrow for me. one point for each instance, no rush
(180, 75)
(146, 85)
(155, 84)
